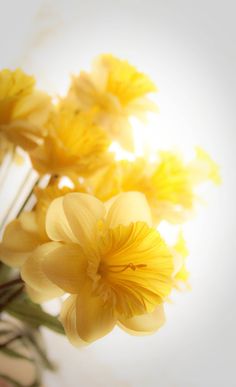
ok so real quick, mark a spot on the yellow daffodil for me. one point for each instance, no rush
(117, 91)
(23, 111)
(108, 257)
(74, 146)
(24, 234)
(175, 183)
(169, 183)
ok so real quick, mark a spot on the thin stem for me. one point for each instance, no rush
(9, 341)
(18, 198)
(11, 283)
(11, 298)
(7, 166)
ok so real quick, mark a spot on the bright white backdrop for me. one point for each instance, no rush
(188, 48)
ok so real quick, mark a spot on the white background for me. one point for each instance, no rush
(188, 48)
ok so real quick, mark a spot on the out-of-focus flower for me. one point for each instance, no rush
(23, 235)
(169, 184)
(117, 91)
(23, 111)
(182, 275)
(114, 264)
(74, 146)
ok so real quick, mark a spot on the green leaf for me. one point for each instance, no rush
(12, 353)
(25, 310)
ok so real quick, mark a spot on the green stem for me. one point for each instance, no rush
(11, 283)
(3, 345)
(11, 298)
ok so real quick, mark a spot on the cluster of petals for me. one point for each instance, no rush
(96, 245)
(23, 111)
(116, 91)
(115, 267)
(169, 183)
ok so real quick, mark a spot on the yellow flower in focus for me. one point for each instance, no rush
(114, 264)
(23, 111)
(169, 183)
(74, 146)
(117, 91)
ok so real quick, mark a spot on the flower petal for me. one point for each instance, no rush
(144, 324)
(94, 318)
(129, 207)
(57, 226)
(68, 320)
(83, 213)
(139, 265)
(33, 274)
(29, 222)
(17, 244)
(66, 267)
(39, 297)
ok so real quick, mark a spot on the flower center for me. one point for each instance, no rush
(105, 268)
(121, 268)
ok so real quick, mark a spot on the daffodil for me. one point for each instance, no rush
(168, 183)
(115, 266)
(175, 183)
(74, 146)
(22, 235)
(117, 91)
(23, 111)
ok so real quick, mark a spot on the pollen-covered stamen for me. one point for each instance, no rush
(121, 268)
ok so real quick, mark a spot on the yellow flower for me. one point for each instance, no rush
(175, 183)
(73, 146)
(114, 264)
(169, 183)
(24, 234)
(23, 111)
(117, 91)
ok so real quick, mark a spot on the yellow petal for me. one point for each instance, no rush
(57, 226)
(33, 275)
(66, 267)
(144, 324)
(178, 261)
(17, 244)
(38, 297)
(128, 207)
(94, 317)
(34, 107)
(138, 266)
(28, 221)
(83, 213)
(68, 320)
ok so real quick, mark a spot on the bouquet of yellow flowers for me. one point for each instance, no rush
(91, 233)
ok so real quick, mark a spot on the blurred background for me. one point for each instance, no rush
(188, 49)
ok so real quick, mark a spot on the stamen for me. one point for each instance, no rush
(122, 268)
